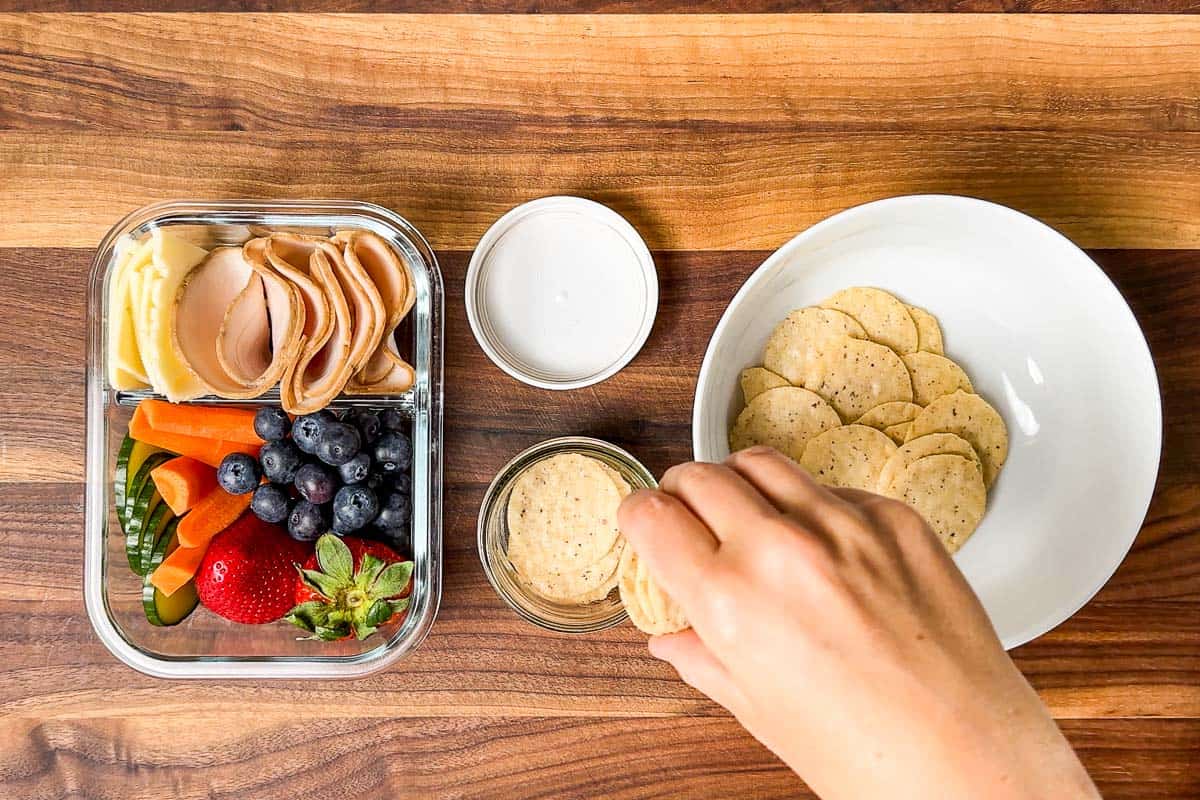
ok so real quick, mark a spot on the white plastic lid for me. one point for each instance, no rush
(561, 292)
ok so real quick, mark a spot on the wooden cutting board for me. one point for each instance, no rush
(719, 136)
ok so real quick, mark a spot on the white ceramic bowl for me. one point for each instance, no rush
(1044, 336)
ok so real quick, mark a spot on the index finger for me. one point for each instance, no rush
(678, 548)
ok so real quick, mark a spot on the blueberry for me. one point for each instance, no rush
(306, 523)
(270, 503)
(399, 540)
(402, 483)
(280, 460)
(395, 510)
(393, 451)
(338, 443)
(238, 473)
(316, 483)
(306, 432)
(367, 422)
(373, 481)
(353, 508)
(356, 470)
(393, 420)
(272, 423)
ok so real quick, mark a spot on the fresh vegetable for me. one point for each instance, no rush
(209, 451)
(306, 430)
(353, 508)
(316, 483)
(163, 610)
(307, 522)
(129, 460)
(393, 452)
(248, 574)
(182, 481)
(356, 470)
(151, 535)
(213, 514)
(141, 505)
(239, 473)
(272, 423)
(280, 460)
(177, 568)
(337, 443)
(270, 503)
(350, 587)
(218, 423)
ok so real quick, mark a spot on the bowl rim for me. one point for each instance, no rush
(701, 400)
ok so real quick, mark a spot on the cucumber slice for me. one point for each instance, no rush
(130, 458)
(150, 534)
(143, 501)
(160, 609)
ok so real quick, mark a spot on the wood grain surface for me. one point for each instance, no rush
(719, 136)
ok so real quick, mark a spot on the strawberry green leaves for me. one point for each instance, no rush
(349, 601)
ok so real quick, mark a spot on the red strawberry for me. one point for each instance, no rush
(349, 587)
(248, 574)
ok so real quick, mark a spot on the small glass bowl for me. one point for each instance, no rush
(493, 538)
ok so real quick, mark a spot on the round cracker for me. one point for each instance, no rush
(948, 491)
(972, 418)
(648, 606)
(898, 433)
(562, 525)
(850, 456)
(605, 588)
(856, 375)
(934, 376)
(757, 380)
(885, 319)
(889, 414)
(784, 418)
(799, 339)
(932, 444)
(929, 332)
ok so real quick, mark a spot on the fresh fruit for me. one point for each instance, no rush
(129, 461)
(393, 452)
(216, 512)
(280, 460)
(248, 574)
(140, 507)
(160, 609)
(395, 511)
(392, 420)
(353, 508)
(338, 443)
(350, 587)
(177, 569)
(182, 482)
(402, 483)
(216, 423)
(270, 503)
(307, 522)
(272, 423)
(367, 422)
(209, 451)
(356, 470)
(306, 430)
(239, 473)
(316, 483)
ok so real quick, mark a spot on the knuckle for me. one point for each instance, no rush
(642, 507)
(692, 474)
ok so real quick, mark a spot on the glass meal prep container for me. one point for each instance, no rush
(492, 537)
(205, 645)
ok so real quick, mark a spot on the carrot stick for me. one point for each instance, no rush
(177, 569)
(214, 513)
(208, 451)
(182, 482)
(219, 423)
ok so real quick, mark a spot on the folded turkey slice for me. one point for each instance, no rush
(385, 371)
(366, 307)
(238, 324)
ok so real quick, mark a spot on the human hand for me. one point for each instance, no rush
(833, 625)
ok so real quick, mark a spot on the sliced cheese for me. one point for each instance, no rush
(173, 259)
(125, 369)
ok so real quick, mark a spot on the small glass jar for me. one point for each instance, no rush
(493, 538)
